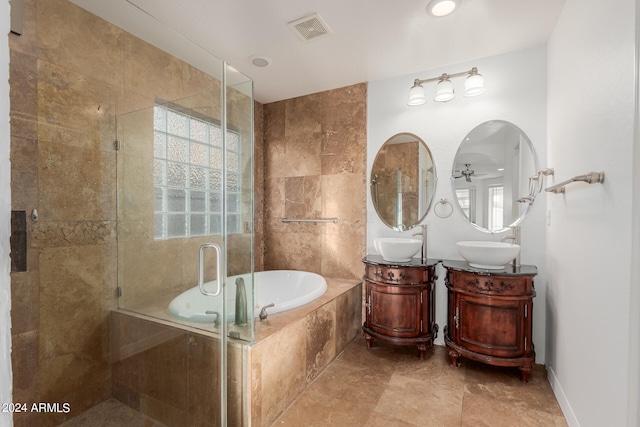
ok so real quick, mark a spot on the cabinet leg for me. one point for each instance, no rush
(524, 373)
(454, 355)
(369, 339)
(422, 348)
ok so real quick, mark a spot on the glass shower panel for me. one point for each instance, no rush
(184, 182)
(238, 215)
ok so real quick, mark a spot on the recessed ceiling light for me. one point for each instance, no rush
(260, 60)
(441, 8)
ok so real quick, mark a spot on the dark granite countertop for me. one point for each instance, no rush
(415, 262)
(509, 270)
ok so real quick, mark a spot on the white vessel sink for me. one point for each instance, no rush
(488, 255)
(397, 249)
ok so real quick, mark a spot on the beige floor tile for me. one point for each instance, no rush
(111, 413)
(505, 385)
(316, 409)
(382, 420)
(421, 402)
(484, 410)
(344, 394)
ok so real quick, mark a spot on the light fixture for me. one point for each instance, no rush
(440, 8)
(260, 60)
(416, 95)
(444, 89)
(474, 85)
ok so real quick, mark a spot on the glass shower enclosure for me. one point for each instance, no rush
(185, 218)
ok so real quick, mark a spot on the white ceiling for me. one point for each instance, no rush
(370, 39)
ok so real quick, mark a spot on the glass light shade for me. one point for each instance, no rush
(441, 7)
(416, 96)
(444, 91)
(474, 85)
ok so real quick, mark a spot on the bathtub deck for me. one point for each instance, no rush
(278, 321)
(157, 309)
(265, 376)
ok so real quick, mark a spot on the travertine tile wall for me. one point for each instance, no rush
(71, 75)
(258, 187)
(315, 167)
(62, 116)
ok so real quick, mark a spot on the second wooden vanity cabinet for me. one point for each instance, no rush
(490, 315)
(399, 303)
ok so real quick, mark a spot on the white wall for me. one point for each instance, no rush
(5, 220)
(589, 242)
(516, 86)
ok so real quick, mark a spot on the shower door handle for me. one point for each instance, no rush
(218, 270)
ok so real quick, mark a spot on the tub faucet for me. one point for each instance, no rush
(217, 321)
(241, 303)
(423, 233)
(515, 237)
(263, 312)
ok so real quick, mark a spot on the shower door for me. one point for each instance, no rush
(185, 206)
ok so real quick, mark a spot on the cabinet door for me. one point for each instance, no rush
(491, 326)
(394, 310)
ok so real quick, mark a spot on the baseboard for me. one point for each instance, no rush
(572, 421)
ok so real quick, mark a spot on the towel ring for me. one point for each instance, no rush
(445, 210)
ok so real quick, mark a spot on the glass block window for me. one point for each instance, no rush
(187, 176)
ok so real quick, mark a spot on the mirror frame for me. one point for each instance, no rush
(372, 182)
(527, 208)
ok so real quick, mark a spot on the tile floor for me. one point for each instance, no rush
(389, 386)
(111, 413)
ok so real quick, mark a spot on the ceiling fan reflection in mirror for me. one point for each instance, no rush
(467, 173)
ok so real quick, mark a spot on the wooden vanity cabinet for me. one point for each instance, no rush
(400, 304)
(490, 317)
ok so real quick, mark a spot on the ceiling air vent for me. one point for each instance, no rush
(309, 28)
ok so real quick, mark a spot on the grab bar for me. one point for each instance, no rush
(334, 220)
(218, 270)
(589, 178)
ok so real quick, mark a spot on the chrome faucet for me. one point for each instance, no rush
(263, 312)
(515, 237)
(217, 321)
(423, 233)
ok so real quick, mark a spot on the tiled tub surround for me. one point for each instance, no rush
(315, 167)
(168, 370)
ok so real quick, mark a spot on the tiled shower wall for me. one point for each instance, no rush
(63, 103)
(315, 167)
(71, 74)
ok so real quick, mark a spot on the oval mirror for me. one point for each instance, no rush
(403, 181)
(491, 174)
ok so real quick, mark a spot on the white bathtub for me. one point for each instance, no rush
(287, 289)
